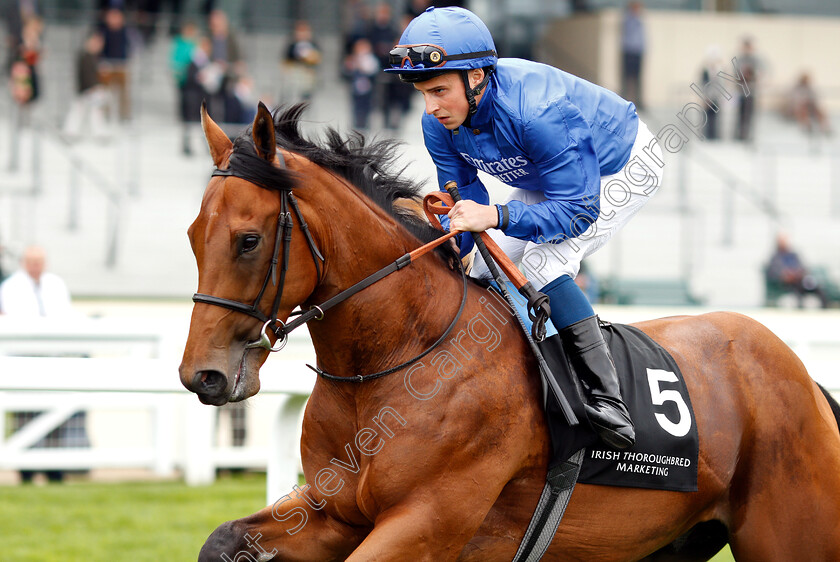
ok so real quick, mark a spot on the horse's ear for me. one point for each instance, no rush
(217, 140)
(263, 133)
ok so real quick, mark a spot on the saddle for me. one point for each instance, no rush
(665, 454)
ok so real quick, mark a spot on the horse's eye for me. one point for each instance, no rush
(249, 243)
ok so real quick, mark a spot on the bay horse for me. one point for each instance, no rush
(445, 457)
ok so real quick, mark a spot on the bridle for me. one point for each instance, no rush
(283, 238)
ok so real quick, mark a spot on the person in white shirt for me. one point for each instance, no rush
(31, 291)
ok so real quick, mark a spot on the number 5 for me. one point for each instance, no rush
(659, 397)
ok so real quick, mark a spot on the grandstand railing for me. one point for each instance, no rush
(38, 130)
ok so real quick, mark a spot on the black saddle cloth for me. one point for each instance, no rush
(665, 453)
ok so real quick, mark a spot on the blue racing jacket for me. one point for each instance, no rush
(541, 129)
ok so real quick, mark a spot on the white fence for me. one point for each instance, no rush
(131, 370)
(134, 367)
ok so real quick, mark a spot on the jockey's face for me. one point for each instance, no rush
(446, 98)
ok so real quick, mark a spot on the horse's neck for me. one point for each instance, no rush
(393, 319)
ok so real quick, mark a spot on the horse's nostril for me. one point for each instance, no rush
(209, 382)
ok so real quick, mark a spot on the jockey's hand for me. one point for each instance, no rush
(470, 216)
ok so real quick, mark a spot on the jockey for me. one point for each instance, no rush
(580, 162)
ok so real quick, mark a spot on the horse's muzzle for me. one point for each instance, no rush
(211, 387)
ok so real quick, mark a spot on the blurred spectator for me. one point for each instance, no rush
(787, 272)
(397, 94)
(226, 55)
(16, 13)
(146, 14)
(632, 53)
(21, 82)
(23, 71)
(240, 100)
(355, 23)
(805, 107)
(225, 47)
(32, 292)
(750, 68)
(180, 57)
(300, 64)
(710, 83)
(203, 81)
(361, 68)
(113, 65)
(382, 34)
(87, 114)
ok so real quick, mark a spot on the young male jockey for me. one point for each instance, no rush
(579, 159)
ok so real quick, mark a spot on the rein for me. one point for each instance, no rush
(283, 237)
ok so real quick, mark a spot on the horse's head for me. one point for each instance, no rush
(245, 237)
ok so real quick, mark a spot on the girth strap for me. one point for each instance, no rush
(559, 485)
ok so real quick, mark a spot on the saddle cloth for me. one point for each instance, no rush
(665, 454)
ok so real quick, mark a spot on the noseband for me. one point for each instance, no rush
(284, 238)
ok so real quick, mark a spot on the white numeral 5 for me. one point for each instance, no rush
(659, 397)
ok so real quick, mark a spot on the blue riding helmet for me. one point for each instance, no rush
(441, 40)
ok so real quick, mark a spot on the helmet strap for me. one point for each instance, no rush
(473, 92)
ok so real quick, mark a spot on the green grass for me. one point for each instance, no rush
(135, 522)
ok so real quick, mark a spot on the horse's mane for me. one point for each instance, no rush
(371, 167)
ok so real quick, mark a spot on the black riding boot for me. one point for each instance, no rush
(591, 360)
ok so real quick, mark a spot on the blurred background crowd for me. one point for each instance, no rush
(112, 89)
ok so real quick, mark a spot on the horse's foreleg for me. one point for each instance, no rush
(424, 530)
(290, 531)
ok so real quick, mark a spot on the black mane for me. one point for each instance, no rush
(370, 167)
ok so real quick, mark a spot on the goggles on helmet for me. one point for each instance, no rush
(427, 56)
